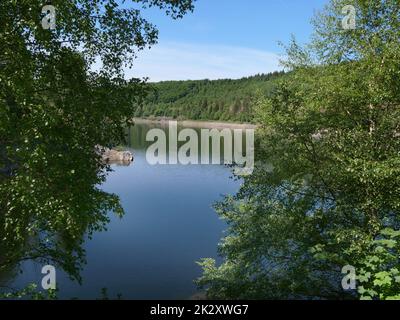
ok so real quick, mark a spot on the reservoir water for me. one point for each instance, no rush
(169, 224)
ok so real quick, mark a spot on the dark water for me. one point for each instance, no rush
(169, 224)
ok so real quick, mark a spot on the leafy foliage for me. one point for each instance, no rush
(328, 176)
(379, 274)
(54, 110)
(30, 292)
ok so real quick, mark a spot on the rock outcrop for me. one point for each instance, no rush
(115, 157)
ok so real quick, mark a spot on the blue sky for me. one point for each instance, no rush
(224, 39)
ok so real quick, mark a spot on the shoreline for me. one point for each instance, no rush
(205, 124)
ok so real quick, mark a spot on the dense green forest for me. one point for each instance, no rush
(228, 100)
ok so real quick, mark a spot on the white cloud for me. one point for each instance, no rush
(180, 61)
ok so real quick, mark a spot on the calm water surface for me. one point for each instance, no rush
(169, 224)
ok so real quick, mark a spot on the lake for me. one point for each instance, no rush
(169, 224)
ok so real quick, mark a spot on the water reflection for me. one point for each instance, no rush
(150, 253)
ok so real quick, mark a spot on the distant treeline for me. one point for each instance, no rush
(227, 100)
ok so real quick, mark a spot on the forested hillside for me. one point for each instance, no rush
(228, 100)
